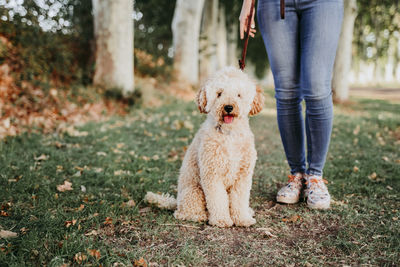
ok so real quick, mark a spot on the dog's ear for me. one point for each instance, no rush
(258, 102)
(202, 100)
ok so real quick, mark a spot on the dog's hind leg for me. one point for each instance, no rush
(191, 204)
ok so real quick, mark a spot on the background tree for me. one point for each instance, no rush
(186, 30)
(113, 27)
(340, 81)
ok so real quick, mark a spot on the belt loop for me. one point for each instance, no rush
(282, 9)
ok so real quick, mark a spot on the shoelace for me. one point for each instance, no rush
(293, 178)
(316, 181)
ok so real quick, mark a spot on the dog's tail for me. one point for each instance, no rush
(163, 201)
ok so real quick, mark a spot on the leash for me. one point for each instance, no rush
(246, 39)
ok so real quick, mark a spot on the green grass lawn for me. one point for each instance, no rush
(103, 219)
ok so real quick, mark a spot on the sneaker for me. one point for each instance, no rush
(291, 192)
(317, 193)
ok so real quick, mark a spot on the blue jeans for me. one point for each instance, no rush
(301, 51)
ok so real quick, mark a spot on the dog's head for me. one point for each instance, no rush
(230, 94)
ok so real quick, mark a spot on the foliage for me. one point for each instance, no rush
(153, 32)
(103, 220)
(377, 22)
(50, 42)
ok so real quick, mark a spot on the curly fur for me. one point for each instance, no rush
(216, 173)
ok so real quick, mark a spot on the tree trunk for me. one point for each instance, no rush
(222, 40)
(208, 39)
(113, 27)
(233, 33)
(340, 81)
(185, 31)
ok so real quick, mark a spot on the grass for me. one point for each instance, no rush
(112, 163)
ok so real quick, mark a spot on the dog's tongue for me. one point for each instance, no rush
(228, 118)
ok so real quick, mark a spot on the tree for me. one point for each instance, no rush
(185, 32)
(113, 27)
(340, 81)
(208, 39)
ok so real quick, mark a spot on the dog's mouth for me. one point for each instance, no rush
(228, 118)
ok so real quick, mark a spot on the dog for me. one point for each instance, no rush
(216, 174)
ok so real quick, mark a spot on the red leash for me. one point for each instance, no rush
(246, 39)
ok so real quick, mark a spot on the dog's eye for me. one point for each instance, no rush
(239, 95)
(219, 94)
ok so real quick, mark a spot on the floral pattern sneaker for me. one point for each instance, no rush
(317, 193)
(291, 192)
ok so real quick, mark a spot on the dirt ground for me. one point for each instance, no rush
(390, 94)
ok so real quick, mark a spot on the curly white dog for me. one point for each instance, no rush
(216, 174)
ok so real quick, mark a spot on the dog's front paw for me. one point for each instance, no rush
(245, 221)
(221, 221)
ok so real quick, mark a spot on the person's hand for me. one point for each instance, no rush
(243, 19)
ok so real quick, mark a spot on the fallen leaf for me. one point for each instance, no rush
(42, 157)
(67, 186)
(188, 125)
(93, 232)
(101, 153)
(83, 188)
(60, 168)
(69, 223)
(130, 203)
(266, 232)
(98, 170)
(356, 130)
(292, 219)
(140, 262)
(4, 213)
(385, 158)
(108, 221)
(122, 172)
(94, 253)
(373, 176)
(77, 174)
(80, 257)
(355, 169)
(7, 234)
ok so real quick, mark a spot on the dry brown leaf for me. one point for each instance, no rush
(67, 186)
(69, 223)
(266, 232)
(373, 176)
(93, 232)
(94, 253)
(4, 213)
(42, 157)
(7, 234)
(80, 257)
(140, 262)
(108, 221)
(292, 219)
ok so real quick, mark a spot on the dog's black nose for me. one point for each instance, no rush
(228, 108)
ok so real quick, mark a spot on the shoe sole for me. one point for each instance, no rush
(319, 206)
(287, 200)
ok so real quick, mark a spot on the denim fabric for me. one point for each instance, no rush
(301, 51)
